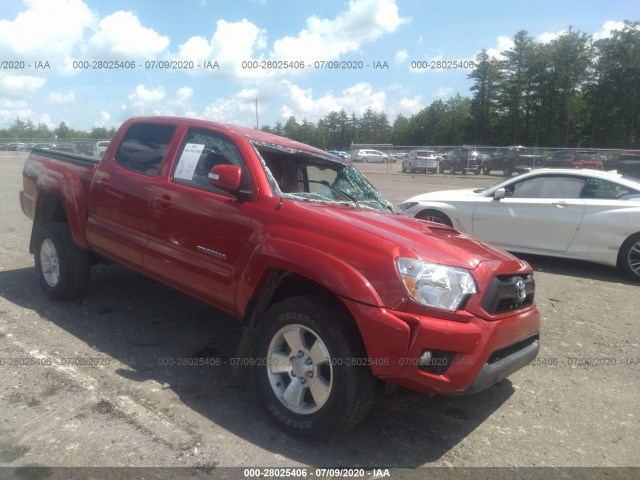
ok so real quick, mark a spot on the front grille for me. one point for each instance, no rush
(508, 293)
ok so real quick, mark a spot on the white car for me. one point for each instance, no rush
(582, 214)
(370, 156)
(424, 160)
(101, 147)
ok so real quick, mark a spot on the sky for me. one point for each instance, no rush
(212, 58)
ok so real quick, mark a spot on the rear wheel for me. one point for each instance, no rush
(486, 170)
(314, 380)
(629, 257)
(63, 268)
(508, 170)
(435, 216)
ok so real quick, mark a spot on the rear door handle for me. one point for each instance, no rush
(105, 183)
(561, 204)
(164, 201)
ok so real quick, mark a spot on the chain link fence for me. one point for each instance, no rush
(81, 146)
(486, 159)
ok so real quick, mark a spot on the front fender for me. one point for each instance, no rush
(324, 269)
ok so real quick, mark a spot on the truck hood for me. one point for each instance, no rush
(408, 236)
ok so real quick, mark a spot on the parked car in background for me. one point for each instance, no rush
(16, 147)
(3, 146)
(101, 147)
(421, 160)
(573, 159)
(371, 156)
(511, 160)
(582, 214)
(461, 160)
(43, 146)
(627, 163)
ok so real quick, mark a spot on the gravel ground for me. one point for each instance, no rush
(90, 382)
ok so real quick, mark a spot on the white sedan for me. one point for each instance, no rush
(583, 214)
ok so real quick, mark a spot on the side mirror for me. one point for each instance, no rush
(499, 194)
(226, 177)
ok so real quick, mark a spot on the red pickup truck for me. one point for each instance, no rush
(336, 291)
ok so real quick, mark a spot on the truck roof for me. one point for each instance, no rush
(249, 133)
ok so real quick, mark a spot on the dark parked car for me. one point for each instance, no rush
(627, 164)
(573, 159)
(461, 160)
(512, 159)
(16, 147)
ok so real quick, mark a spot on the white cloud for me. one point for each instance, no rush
(57, 97)
(407, 106)
(548, 37)
(401, 56)
(50, 29)
(231, 44)
(121, 35)
(12, 109)
(155, 101)
(324, 39)
(104, 121)
(19, 85)
(238, 109)
(608, 27)
(504, 43)
(443, 92)
(184, 94)
(356, 98)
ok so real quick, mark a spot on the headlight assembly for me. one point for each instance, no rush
(435, 285)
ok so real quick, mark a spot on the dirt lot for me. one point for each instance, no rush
(90, 382)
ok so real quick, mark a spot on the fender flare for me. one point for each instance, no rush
(337, 276)
(73, 199)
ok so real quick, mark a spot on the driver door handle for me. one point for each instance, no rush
(164, 201)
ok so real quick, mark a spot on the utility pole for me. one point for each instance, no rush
(257, 124)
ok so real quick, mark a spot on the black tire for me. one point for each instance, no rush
(508, 170)
(629, 257)
(486, 170)
(346, 391)
(63, 268)
(478, 170)
(434, 216)
(452, 169)
(441, 168)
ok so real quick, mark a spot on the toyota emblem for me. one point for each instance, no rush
(521, 290)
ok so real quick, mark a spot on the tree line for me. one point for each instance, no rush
(574, 91)
(26, 129)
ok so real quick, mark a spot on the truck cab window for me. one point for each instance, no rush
(201, 151)
(143, 148)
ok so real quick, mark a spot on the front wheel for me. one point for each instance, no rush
(63, 268)
(629, 257)
(434, 216)
(314, 380)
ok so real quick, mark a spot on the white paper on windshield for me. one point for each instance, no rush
(188, 161)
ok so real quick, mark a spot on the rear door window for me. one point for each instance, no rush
(144, 146)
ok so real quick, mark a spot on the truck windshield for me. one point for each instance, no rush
(308, 177)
